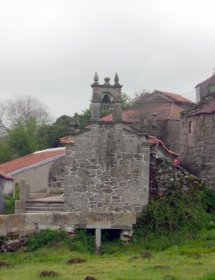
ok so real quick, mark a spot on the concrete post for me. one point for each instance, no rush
(27, 186)
(98, 240)
(17, 207)
(22, 195)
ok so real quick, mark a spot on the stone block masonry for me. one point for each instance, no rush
(197, 146)
(31, 222)
(107, 169)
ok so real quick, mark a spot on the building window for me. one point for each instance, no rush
(190, 126)
(212, 88)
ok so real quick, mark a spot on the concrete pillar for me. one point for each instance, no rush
(27, 186)
(98, 240)
(22, 195)
(17, 207)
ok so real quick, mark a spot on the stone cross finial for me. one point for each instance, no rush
(96, 78)
(116, 79)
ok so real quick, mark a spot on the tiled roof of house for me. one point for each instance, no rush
(163, 111)
(156, 141)
(169, 109)
(174, 97)
(31, 160)
(5, 176)
(207, 108)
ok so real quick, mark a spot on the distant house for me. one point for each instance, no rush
(205, 88)
(160, 113)
(198, 134)
(35, 168)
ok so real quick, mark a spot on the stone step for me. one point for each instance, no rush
(43, 205)
(43, 208)
(33, 206)
(44, 201)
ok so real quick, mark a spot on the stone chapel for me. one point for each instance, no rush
(107, 163)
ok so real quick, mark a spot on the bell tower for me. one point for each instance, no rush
(106, 98)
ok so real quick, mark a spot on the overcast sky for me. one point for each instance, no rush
(50, 49)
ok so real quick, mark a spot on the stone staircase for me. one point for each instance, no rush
(35, 206)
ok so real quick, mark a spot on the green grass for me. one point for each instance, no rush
(191, 259)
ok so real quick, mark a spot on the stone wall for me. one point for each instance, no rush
(56, 174)
(107, 170)
(31, 222)
(197, 146)
(165, 178)
(173, 135)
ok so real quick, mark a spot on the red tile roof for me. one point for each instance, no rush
(155, 140)
(207, 108)
(29, 160)
(163, 111)
(5, 176)
(174, 97)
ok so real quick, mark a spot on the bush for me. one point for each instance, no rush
(44, 237)
(174, 212)
(83, 241)
(9, 200)
(170, 219)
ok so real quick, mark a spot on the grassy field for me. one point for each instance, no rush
(193, 259)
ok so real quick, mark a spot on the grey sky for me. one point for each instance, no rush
(50, 49)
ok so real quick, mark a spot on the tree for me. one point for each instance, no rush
(20, 121)
(49, 135)
(23, 139)
(138, 99)
(22, 109)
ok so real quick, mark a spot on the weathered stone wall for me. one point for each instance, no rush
(56, 174)
(197, 146)
(173, 135)
(107, 170)
(165, 178)
(31, 222)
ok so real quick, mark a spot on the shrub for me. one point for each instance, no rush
(44, 237)
(9, 200)
(83, 241)
(181, 209)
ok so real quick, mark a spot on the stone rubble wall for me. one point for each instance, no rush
(107, 170)
(197, 146)
(165, 178)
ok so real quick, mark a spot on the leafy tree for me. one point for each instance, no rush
(84, 118)
(22, 109)
(20, 120)
(138, 99)
(49, 135)
(5, 150)
(22, 138)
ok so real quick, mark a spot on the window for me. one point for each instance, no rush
(212, 88)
